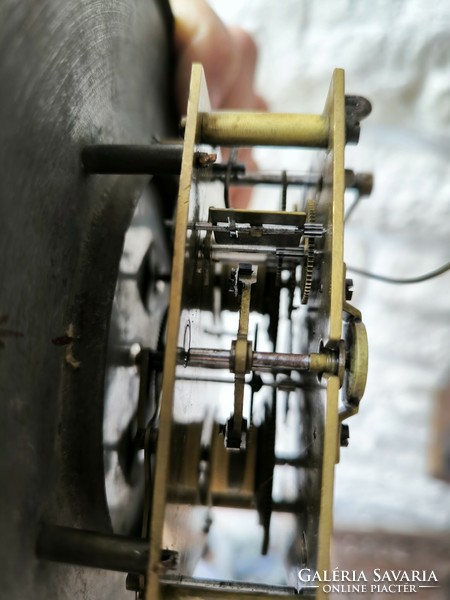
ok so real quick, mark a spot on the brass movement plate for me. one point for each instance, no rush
(320, 399)
(186, 208)
(330, 211)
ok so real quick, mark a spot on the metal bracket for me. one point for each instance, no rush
(241, 352)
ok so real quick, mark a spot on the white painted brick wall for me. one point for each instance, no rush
(397, 53)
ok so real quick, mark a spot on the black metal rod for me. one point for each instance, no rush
(92, 549)
(239, 178)
(300, 461)
(155, 159)
(362, 182)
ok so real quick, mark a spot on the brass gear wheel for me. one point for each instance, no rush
(308, 266)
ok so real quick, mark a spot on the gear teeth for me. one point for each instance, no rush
(308, 267)
(306, 282)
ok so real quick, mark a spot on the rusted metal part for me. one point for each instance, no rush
(205, 159)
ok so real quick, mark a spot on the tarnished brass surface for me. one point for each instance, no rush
(265, 129)
(224, 483)
(242, 353)
(330, 209)
(198, 100)
(330, 448)
(359, 356)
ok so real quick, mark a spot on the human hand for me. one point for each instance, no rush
(228, 55)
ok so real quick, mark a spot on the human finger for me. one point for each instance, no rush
(200, 36)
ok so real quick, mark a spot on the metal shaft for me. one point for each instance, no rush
(91, 549)
(362, 182)
(261, 361)
(239, 178)
(265, 129)
(186, 588)
(269, 361)
(213, 358)
(155, 159)
(206, 357)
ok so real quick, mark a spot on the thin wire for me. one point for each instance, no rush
(384, 278)
(352, 207)
(417, 279)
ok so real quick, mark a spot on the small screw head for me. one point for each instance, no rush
(348, 289)
(345, 435)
